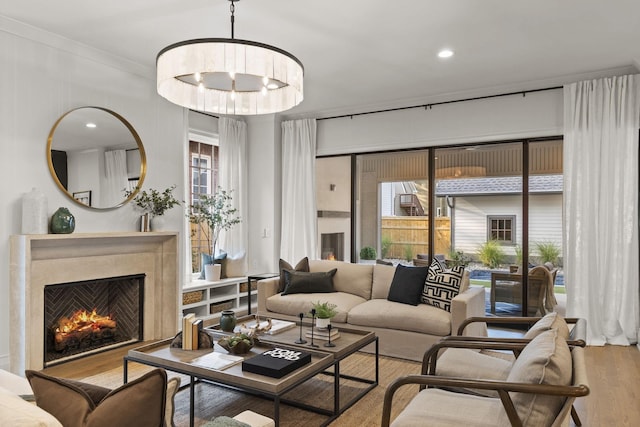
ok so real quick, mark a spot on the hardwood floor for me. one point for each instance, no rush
(613, 371)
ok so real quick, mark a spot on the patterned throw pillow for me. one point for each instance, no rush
(442, 285)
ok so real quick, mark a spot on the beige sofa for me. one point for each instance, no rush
(404, 331)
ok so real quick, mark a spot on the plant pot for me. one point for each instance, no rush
(157, 223)
(323, 323)
(212, 272)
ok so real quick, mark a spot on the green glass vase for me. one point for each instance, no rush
(62, 222)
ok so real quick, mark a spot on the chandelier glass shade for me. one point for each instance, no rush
(229, 76)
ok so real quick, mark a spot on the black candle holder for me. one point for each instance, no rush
(313, 326)
(329, 343)
(300, 340)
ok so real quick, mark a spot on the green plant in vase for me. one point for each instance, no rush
(155, 203)
(212, 214)
(325, 311)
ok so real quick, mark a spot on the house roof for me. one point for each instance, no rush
(498, 185)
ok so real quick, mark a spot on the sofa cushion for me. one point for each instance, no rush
(294, 304)
(549, 321)
(352, 278)
(381, 313)
(300, 282)
(382, 278)
(236, 265)
(441, 286)
(407, 284)
(141, 401)
(302, 265)
(17, 412)
(545, 360)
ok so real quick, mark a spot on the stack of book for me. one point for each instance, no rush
(323, 334)
(191, 328)
(277, 362)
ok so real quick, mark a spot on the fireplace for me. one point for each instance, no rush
(86, 317)
(332, 246)
(38, 261)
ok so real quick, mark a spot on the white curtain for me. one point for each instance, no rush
(233, 178)
(299, 215)
(116, 182)
(601, 121)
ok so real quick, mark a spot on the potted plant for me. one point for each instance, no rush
(213, 213)
(368, 253)
(325, 311)
(155, 204)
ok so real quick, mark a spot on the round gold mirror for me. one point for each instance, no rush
(96, 157)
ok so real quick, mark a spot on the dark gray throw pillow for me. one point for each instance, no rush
(407, 284)
(299, 282)
(302, 265)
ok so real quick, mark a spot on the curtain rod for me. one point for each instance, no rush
(431, 104)
(205, 114)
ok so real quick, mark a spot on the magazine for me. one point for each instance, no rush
(218, 361)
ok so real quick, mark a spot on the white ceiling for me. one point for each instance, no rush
(361, 55)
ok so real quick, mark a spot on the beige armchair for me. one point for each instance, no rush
(539, 390)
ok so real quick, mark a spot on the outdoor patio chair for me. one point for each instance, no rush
(539, 390)
(507, 287)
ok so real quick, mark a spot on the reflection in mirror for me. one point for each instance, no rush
(95, 156)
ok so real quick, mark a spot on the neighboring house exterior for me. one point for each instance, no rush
(474, 202)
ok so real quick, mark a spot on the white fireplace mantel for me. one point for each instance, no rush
(41, 260)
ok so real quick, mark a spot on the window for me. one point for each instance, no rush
(203, 177)
(501, 228)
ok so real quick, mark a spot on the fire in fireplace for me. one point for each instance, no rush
(82, 318)
(332, 246)
(82, 329)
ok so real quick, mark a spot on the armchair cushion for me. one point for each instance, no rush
(545, 360)
(302, 265)
(549, 321)
(407, 284)
(298, 282)
(441, 286)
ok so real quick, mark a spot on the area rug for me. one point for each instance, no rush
(212, 401)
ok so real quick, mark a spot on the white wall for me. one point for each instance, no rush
(41, 77)
(469, 219)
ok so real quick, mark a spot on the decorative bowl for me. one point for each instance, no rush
(237, 344)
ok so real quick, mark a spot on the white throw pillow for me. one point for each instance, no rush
(16, 412)
(236, 265)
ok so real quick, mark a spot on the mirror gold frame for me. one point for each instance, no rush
(134, 134)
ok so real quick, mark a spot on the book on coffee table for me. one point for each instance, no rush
(277, 362)
(323, 334)
(218, 361)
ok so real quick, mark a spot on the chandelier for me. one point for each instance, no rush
(229, 76)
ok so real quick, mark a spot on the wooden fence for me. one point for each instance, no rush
(409, 236)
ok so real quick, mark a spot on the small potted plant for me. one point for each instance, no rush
(368, 253)
(325, 311)
(155, 203)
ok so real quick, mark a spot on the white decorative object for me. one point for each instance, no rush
(34, 213)
(157, 223)
(212, 272)
(322, 323)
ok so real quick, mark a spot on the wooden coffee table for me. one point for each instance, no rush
(160, 355)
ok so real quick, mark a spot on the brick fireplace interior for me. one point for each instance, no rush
(82, 318)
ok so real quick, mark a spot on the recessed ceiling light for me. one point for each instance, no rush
(445, 53)
(90, 125)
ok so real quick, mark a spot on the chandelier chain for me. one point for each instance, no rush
(232, 8)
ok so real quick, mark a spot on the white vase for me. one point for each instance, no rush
(157, 223)
(322, 323)
(212, 272)
(34, 213)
